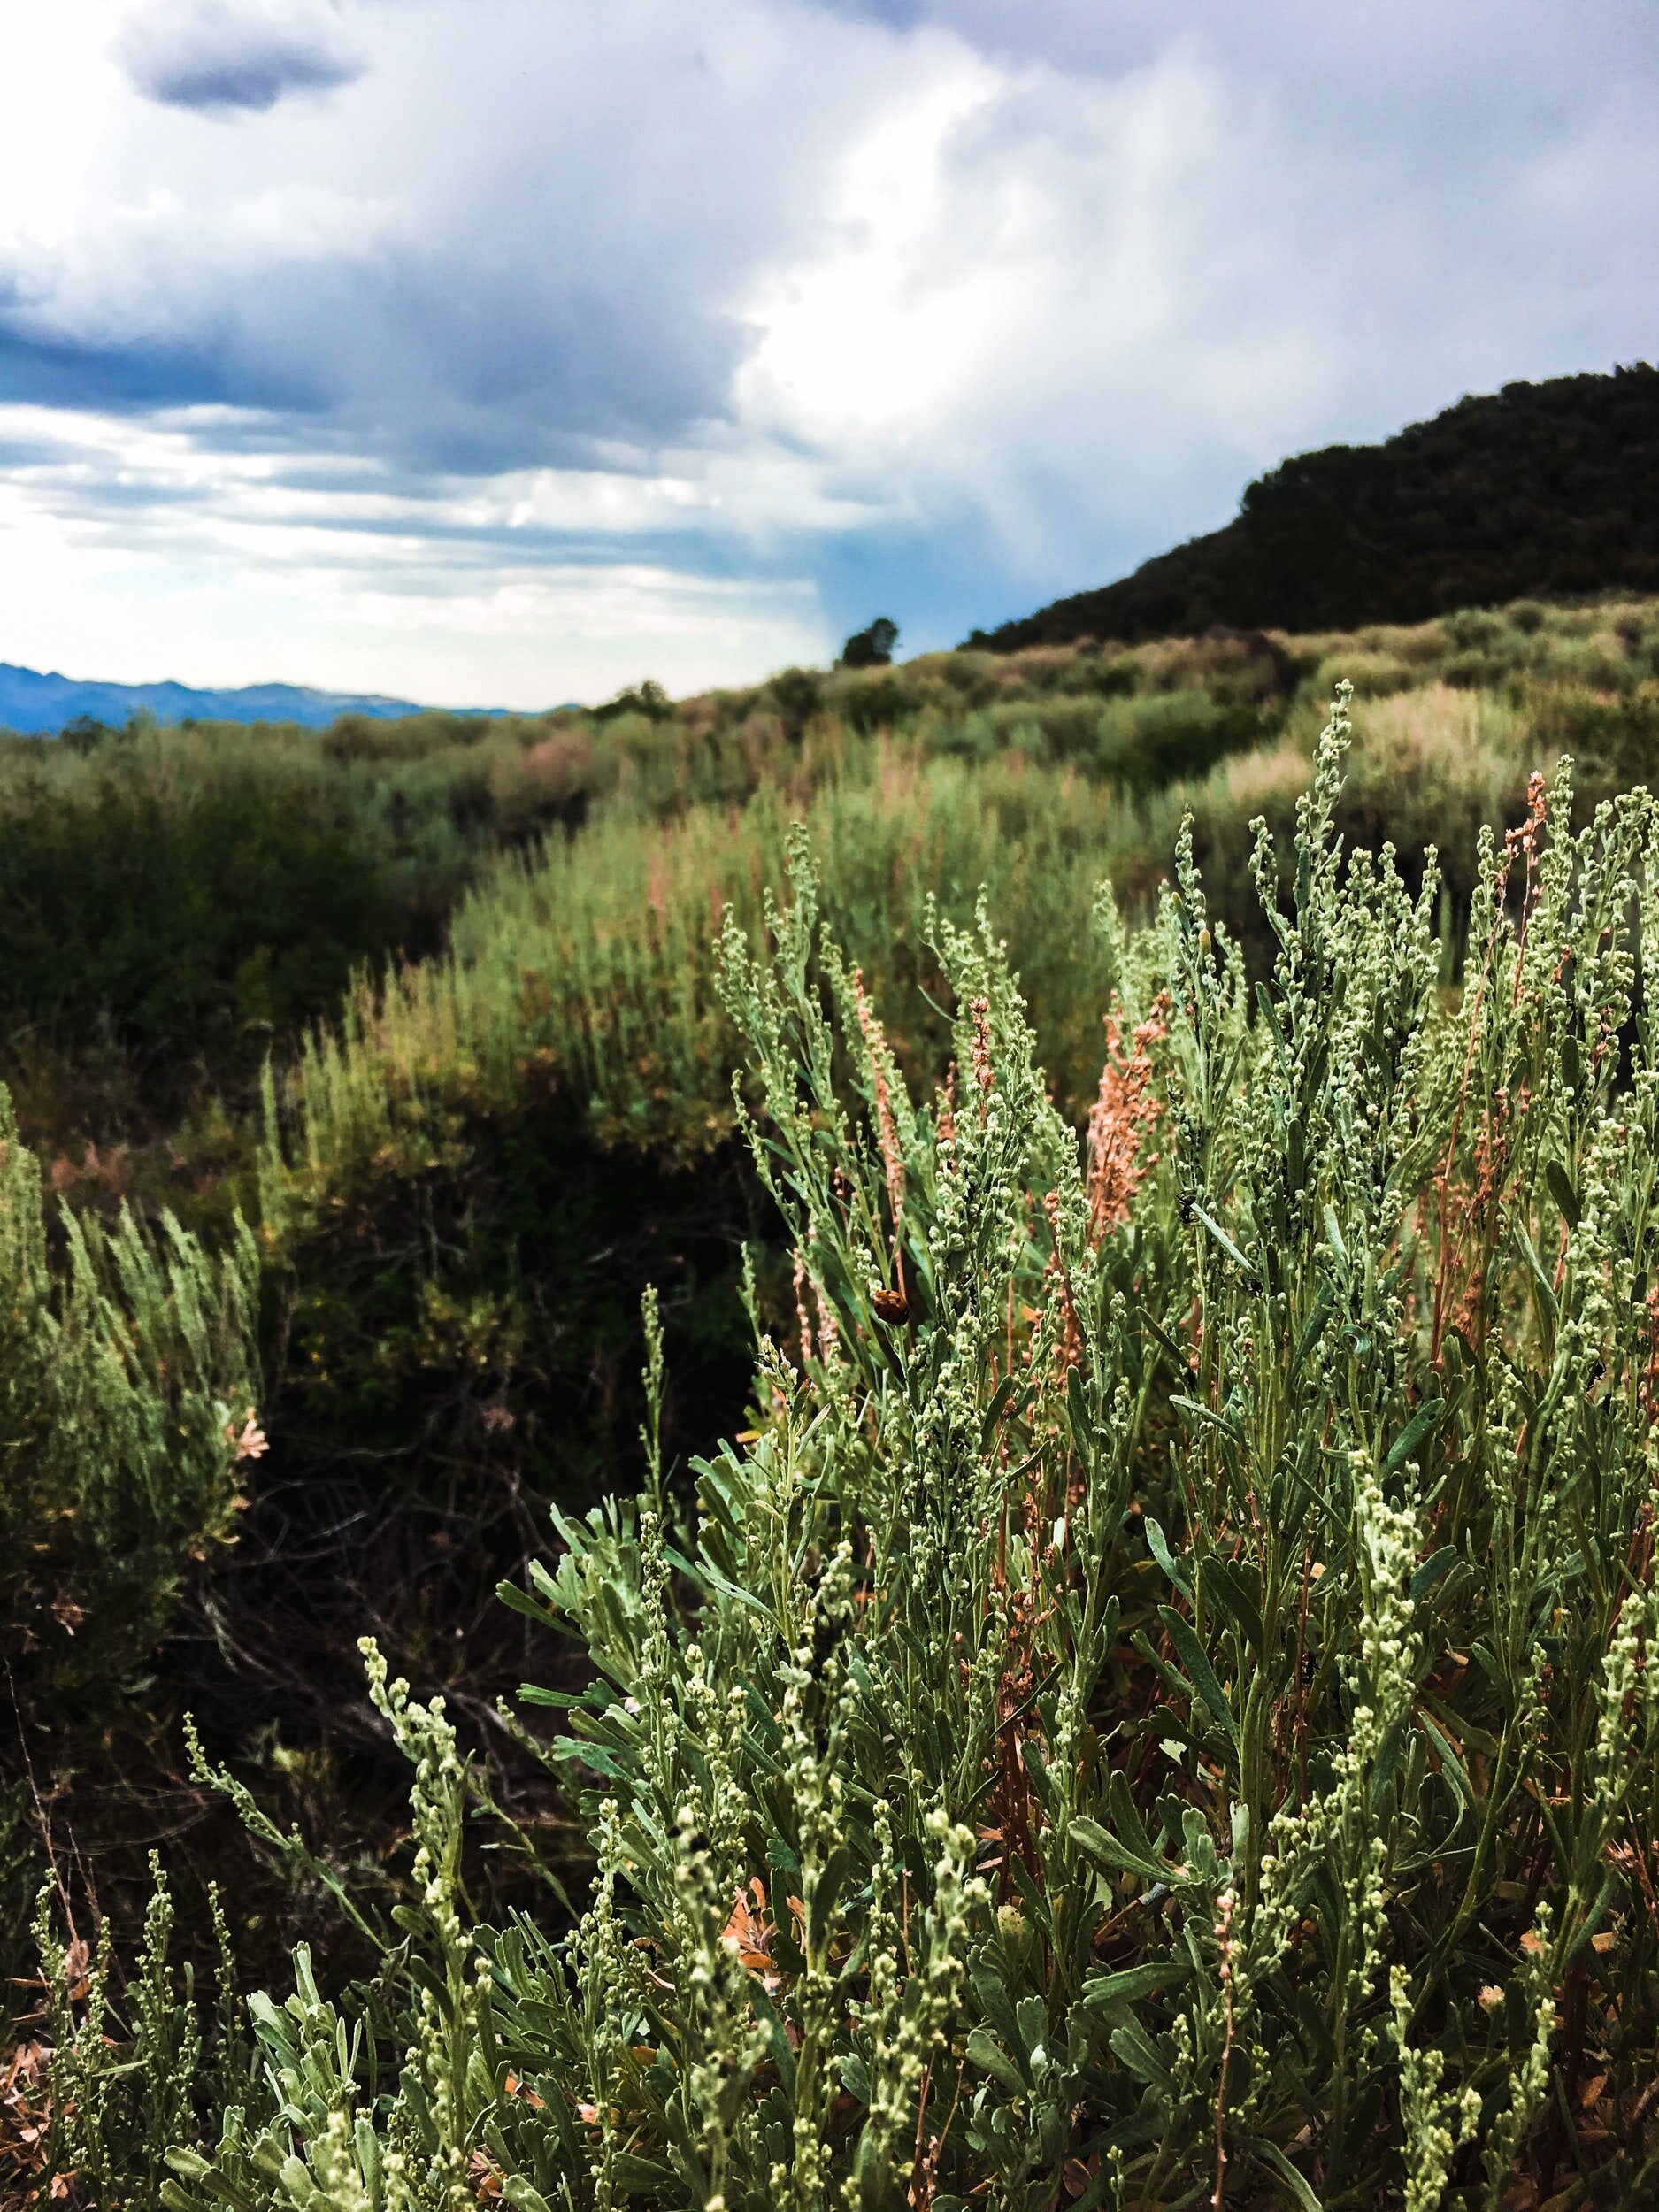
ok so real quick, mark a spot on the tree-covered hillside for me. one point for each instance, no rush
(1540, 491)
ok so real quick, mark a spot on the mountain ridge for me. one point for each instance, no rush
(35, 702)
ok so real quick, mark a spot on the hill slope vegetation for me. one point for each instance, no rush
(1544, 490)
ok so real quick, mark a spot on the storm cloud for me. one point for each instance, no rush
(777, 311)
(221, 56)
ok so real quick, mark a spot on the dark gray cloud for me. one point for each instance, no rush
(224, 57)
(530, 238)
(40, 369)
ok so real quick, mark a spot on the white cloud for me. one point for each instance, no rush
(130, 553)
(769, 305)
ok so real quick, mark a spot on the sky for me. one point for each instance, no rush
(501, 352)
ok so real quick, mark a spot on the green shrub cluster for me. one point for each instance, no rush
(128, 1390)
(177, 903)
(466, 1182)
(462, 1180)
(174, 903)
(1157, 1707)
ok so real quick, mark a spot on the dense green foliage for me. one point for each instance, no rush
(128, 1388)
(127, 1379)
(1548, 490)
(462, 1180)
(176, 903)
(1157, 1708)
(872, 646)
(172, 901)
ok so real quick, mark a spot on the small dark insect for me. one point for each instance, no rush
(1598, 1367)
(1310, 1666)
(891, 1305)
(1185, 1204)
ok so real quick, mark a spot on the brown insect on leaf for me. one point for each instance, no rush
(892, 1307)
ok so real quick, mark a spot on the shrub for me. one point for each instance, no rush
(127, 1389)
(1143, 743)
(1160, 1707)
(128, 1377)
(1615, 740)
(1377, 675)
(799, 694)
(871, 701)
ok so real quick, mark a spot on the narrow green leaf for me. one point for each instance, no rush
(826, 1896)
(1223, 1240)
(1425, 1578)
(1451, 1765)
(1077, 1414)
(1324, 1307)
(1104, 1848)
(1270, 1015)
(995, 1412)
(631, 2172)
(1125, 1814)
(1165, 1341)
(1561, 1191)
(1227, 1587)
(519, 1601)
(987, 2052)
(1426, 1417)
(1139, 2055)
(855, 2077)
(1270, 2155)
(1198, 1667)
(1158, 1544)
(1545, 1288)
(1130, 1982)
(1208, 1416)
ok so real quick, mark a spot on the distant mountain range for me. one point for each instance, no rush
(1547, 491)
(36, 705)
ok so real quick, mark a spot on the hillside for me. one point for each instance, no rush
(1547, 491)
(35, 704)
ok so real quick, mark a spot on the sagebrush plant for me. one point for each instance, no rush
(1158, 1709)
(128, 1379)
(128, 1383)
